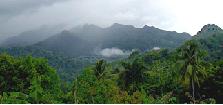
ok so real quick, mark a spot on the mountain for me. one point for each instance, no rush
(66, 43)
(91, 40)
(70, 51)
(208, 30)
(211, 39)
(31, 37)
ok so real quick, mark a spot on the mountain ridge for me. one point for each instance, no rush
(125, 37)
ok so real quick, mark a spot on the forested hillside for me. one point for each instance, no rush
(211, 39)
(190, 73)
(90, 39)
(66, 67)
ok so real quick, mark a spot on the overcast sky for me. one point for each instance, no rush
(174, 15)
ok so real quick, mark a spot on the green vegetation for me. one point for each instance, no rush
(66, 67)
(158, 76)
(192, 68)
(28, 80)
(191, 73)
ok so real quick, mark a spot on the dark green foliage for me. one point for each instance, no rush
(67, 67)
(154, 55)
(214, 45)
(210, 38)
(100, 68)
(192, 70)
(29, 76)
(133, 76)
(213, 86)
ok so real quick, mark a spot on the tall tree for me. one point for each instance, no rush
(133, 76)
(192, 69)
(100, 68)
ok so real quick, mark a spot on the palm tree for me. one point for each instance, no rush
(100, 68)
(192, 69)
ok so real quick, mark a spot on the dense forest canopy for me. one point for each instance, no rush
(66, 67)
(190, 73)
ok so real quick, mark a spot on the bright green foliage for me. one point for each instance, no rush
(13, 98)
(36, 90)
(162, 78)
(88, 89)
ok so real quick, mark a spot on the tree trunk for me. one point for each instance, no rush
(193, 90)
(75, 93)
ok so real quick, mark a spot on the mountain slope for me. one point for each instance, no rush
(208, 30)
(66, 43)
(211, 39)
(31, 37)
(91, 39)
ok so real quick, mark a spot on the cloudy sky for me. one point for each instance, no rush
(175, 15)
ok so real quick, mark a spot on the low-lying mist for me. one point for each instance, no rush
(113, 52)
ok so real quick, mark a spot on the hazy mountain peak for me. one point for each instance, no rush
(65, 32)
(85, 27)
(146, 26)
(117, 25)
(90, 26)
(149, 27)
(30, 37)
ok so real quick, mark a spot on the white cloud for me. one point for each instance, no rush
(113, 52)
(156, 48)
(191, 15)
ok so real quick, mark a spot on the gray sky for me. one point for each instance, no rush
(174, 15)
